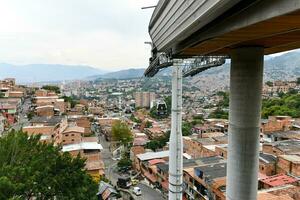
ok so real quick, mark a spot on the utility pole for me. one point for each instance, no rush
(176, 144)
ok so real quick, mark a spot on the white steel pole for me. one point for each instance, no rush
(176, 144)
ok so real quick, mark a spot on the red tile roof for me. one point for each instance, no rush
(278, 180)
(156, 161)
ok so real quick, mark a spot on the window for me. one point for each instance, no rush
(72, 134)
(67, 135)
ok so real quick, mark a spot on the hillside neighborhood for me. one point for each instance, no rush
(123, 132)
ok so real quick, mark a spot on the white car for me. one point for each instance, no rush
(137, 191)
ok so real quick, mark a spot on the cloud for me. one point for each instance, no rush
(101, 33)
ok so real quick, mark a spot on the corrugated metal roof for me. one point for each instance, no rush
(82, 146)
(153, 155)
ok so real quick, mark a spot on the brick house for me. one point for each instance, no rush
(72, 135)
(45, 111)
(289, 164)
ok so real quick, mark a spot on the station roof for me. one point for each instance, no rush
(214, 27)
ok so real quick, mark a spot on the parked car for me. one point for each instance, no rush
(124, 183)
(137, 191)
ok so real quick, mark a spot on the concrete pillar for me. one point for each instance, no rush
(246, 77)
(176, 144)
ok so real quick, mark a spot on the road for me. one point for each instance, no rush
(22, 121)
(22, 117)
(148, 193)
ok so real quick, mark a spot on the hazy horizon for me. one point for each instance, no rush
(102, 34)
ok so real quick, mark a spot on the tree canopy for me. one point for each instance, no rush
(158, 143)
(121, 132)
(287, 104)
(71, 100)
(298, 80)
(32, 169)
(186, 128)
(219, 113)
(52, 88)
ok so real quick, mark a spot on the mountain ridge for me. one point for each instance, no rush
(47, 72)
(283, 67)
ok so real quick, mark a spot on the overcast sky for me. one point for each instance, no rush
(106, 34)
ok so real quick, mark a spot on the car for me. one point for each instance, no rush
(134, 181)
(124, 182)
(137, 191)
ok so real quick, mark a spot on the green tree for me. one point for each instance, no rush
(298, 80)
(197, 120)
(30, 115)
(168, 101)
(71, 100)
(52, 88)
(148, 124)
(224, 103)
(219, 113)
(2, 94)
(269, 83)
(287, 104)
(121, 132)
(158, 143)
(153, 145)
(32, 169)
(134, 119)
(186, 128)
(125, 162)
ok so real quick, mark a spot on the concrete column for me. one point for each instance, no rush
(176, 144)
(246, 77)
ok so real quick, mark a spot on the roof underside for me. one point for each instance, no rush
(219, 26)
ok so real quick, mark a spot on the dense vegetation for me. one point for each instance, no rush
(158, 143)
(121, 132)
(220, 113)
(197, 120)
(186, 128)
(71, 100)
(134, 119)
(287, 104)
(30, 169)
(52, 88)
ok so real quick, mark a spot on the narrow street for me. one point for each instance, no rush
(148, 193)
(22, 116)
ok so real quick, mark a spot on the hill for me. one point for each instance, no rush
(122, 74)
(46, 72)
(283, 67)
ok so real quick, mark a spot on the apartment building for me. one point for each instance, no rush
(144, 99)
